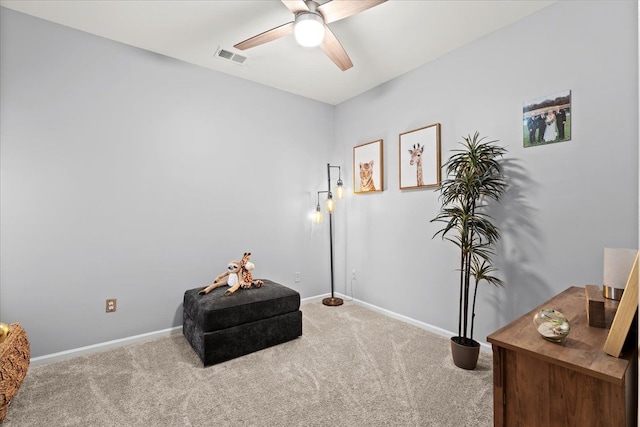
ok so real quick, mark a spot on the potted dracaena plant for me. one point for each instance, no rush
(474, 177)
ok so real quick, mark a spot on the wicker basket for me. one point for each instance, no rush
(14, 362)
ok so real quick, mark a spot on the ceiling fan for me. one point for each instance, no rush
(310, 26)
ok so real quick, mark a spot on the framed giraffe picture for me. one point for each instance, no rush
(367, 167)
(419, 158)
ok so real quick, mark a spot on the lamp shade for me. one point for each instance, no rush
(618, 263)
(309, 29)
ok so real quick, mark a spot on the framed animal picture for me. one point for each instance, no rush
(419, 158)
(367, 167)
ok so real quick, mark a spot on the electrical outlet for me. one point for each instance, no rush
(353, 275)
(111, 305)
(296, 277)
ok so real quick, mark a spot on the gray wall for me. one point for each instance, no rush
(567, 201)
(123, 174)
(130, 175)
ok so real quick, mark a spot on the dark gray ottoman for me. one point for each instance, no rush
(220, 328)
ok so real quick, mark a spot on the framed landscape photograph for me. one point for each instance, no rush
(547, 119)
(367, 167)
(419, 158)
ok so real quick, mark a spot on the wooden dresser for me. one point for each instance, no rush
(575, 383)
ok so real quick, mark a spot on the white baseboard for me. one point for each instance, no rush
(95, 348)
(68, 354)
(485, 347)
(317, 298)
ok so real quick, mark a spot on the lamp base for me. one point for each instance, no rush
(610, 292)
(332, 301)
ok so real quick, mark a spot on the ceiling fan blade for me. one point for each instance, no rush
(334, 50)
(296, 6)
(336, 10)
(267, 36)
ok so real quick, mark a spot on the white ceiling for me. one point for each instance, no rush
(383, 42)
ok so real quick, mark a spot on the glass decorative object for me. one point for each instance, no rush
(551, 324)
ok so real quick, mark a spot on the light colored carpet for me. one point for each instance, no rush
(351, 367)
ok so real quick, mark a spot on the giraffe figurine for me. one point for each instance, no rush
(416, 158)
(246, 278)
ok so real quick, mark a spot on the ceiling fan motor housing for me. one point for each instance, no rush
(309, 29)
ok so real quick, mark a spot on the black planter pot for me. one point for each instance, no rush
(465, 352)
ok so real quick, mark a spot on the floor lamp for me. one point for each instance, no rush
(317, 218)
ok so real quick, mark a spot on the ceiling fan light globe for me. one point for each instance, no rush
(309, 29)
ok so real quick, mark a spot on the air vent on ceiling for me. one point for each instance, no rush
(230, 56)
